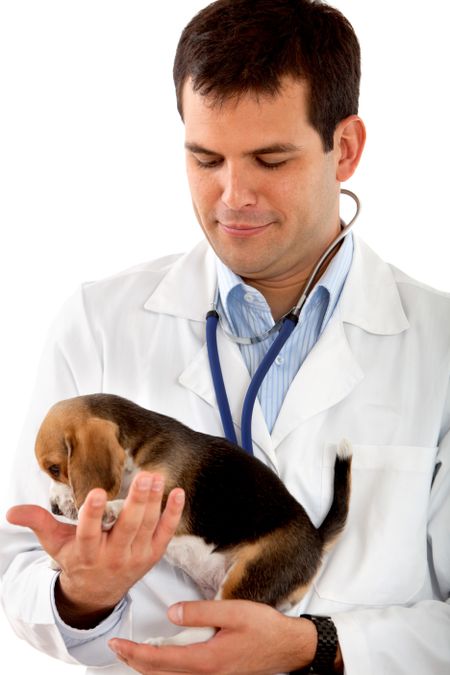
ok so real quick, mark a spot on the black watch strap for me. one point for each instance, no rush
(323, 662)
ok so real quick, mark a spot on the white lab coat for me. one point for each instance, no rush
(378, 376)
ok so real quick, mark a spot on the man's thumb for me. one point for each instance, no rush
(46, 528)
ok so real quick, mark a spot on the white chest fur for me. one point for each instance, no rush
(129, 471)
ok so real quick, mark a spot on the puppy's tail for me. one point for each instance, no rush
(336, 517)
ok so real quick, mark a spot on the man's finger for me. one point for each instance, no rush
(89, 530)
(145, 495)
(217, 614)
(168, 523)
(148, 659)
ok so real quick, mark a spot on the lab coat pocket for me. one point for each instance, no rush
(381, 557)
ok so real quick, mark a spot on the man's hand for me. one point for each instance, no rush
(98, 568)
(252, 639)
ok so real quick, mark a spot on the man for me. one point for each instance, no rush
(268, 92)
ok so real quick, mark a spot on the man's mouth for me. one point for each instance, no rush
(243, 229)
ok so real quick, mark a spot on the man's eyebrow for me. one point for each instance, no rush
(276, 148)
(198, 149)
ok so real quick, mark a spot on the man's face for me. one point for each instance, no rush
(264, 191)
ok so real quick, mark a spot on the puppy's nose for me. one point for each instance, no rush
(55, 509)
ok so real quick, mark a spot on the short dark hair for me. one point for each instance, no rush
(237, 46)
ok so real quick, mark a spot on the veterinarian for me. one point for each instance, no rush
(268, 93)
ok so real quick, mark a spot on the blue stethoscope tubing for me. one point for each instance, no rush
(286, 326)
(212, 319)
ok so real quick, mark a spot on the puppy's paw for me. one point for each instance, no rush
(156, 642)
(111, 514)
(186, 637)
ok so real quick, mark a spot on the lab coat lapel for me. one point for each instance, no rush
(370, 300)
(328, 374)
(197, 378)
(187, 290)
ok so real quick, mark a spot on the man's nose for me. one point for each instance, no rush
(237, 190)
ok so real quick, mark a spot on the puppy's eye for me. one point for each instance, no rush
(54, 470)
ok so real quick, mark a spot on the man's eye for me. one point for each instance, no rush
(208, 164)
(271, 165)
(54, 470)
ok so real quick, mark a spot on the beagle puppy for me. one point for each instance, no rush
(242, 534)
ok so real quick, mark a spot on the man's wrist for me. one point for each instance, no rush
(327, 658)
(78, 615)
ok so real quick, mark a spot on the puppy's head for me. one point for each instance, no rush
(79, 452)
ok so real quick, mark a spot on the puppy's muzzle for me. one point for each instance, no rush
(55, 509)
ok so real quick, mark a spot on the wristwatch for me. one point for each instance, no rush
(323, 662)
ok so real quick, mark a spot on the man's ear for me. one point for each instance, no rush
(349, 140)
(96, 459)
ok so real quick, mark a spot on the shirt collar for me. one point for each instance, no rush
(231, 286)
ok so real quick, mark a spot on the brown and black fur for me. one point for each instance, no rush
(233, 501)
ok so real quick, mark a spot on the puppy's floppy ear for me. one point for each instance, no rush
(96, 458)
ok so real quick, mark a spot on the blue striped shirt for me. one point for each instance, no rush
(247, 314)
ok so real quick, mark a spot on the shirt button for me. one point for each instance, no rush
(279, 360)
(249, 297)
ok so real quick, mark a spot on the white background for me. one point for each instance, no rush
(92, 166)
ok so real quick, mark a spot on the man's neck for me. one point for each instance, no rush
(281, 299)
(283, 295)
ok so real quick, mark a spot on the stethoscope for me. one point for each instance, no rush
(283, 326)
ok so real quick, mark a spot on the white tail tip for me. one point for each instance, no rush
(344, 450)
